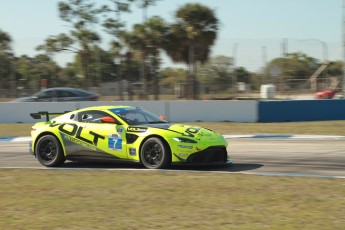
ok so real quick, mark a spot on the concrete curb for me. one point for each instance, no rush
(15, 139)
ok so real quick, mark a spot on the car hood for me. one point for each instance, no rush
(187, 130)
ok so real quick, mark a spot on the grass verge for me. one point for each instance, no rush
(167, 200)
(318, 127)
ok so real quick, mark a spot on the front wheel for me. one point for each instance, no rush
(49, 151)
(154, 154)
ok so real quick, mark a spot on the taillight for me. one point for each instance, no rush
(94, 99)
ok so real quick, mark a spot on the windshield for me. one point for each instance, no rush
(137, 116)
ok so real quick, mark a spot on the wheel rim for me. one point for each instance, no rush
(47, 150)
(153, 154)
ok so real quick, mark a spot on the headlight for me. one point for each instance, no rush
(184, 140)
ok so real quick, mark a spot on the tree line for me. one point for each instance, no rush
(187, 40)
(137, 52)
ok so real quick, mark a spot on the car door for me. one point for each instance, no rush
(109, 139)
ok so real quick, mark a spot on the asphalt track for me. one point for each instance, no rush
(276, 157)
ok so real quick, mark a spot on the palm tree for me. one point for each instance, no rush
(191, 38)
(7, 72)
(5, 41)
(144, 4)
(147, 39)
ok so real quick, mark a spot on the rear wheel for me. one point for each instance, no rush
(49, 151)
(154, 154)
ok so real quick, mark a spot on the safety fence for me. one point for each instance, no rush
(197, 111)
(287, 88)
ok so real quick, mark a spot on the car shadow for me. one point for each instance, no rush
(235, 167)
(100, 165)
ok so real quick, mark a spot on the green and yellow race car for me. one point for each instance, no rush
(123, 133)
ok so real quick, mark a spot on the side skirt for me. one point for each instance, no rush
(99, 159)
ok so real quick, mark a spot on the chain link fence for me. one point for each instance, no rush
(290, 88)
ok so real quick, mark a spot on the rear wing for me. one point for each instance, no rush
(39, 114)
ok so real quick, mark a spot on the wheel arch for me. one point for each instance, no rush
(165, 142)
(52, 134)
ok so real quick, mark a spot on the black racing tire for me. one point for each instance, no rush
(154, 154)
(49, 152)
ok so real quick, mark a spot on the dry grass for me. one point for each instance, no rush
(312, 127)
(15, 129)
(167, 200)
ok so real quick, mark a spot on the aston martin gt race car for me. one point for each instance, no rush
(123, 133)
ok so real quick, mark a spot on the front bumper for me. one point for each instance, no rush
(215, 155)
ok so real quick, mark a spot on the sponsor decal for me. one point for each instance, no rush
(137, 129)
(119, 130)
(79, 142)
(118, 111)
(185, 147)
(132, 151)
(183, 155)
(199, 135)
(73, 133)
(191, 131)
(114, 142)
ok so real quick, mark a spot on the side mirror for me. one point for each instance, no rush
(162, 117)
(108, 120)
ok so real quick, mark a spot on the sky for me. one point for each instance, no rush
(251, 31)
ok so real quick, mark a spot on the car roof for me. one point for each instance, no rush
(66, 89)
(105, 107)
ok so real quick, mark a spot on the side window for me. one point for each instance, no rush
(63, 93)
(92, 116)
(46, 94)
